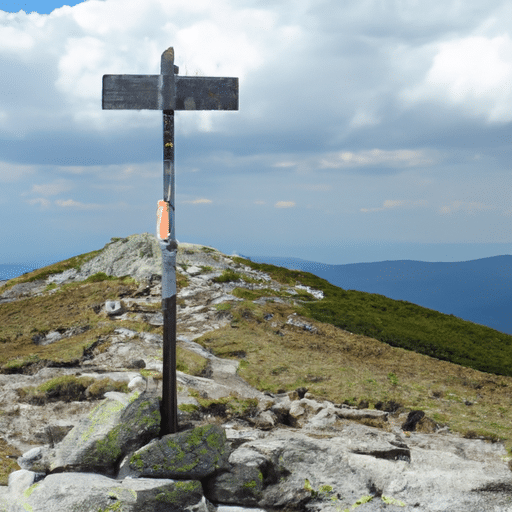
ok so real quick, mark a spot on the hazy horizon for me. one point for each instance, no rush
(34, 264)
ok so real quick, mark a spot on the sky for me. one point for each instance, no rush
(367, 130)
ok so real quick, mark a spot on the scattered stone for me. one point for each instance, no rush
(113, 307)
(318, 294)
(301, 410)
(194, 454)
(293, 320)
(155, 319)
(138, 383)
(265, 420)
(137, 363)
(412, 420)
(193, 270)
(224, 298)
(91, 492)
(30, 289)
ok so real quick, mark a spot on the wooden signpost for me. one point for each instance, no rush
(169, 92)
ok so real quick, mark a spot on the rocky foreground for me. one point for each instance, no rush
(246, 450)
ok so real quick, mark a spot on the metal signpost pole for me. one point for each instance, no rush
(169, 92)
(169, 248)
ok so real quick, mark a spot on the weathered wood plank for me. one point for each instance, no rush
(138, 92)
(206, 93)
(155, 92)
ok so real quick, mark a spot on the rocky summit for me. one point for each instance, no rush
(80, 400)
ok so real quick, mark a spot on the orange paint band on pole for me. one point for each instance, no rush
(162, 220)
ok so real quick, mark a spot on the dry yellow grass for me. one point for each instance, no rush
(343, 367)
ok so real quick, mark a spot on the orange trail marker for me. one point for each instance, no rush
(162, 220)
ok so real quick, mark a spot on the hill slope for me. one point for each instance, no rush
(406, 325)
(345, 346)
(479, 291)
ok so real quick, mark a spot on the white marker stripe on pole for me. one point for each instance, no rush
(168, 269)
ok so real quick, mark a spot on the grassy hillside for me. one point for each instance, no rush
(371, 351)
(74, 305)
(402, 324)
(368, 350)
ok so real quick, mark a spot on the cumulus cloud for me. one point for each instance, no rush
(52, 189)
(464, 206)
(402, 157)
(73, 47)
(199, 201)
(473, 73)
(390, 204)
(284, 164)
(10, 172)
(284, 204)
(14, 39)
(323, 160)
(43, 202)
(77, 205)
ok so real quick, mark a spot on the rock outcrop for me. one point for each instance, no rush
(284, 451)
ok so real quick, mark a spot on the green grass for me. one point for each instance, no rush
(70, 388)
(229, 275)
(42, 273)
(402, 324)
(72, 305)
(229, 406)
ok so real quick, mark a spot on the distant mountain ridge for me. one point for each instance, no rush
(478, 290)
(12, 271)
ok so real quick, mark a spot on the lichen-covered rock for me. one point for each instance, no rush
(109, 432)
(137, 255)
(192, 454)
(243, 484)
(301, 410)
(88, 492)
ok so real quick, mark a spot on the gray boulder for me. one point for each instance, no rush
(193, 454)
(364, 466)
(89, 492)
(193, 270)
(137, 255)
(301, 410)
(99, 441)
(310, 413)
(243, 484)
(113, 307)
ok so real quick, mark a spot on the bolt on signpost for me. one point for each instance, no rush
(169, 92)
